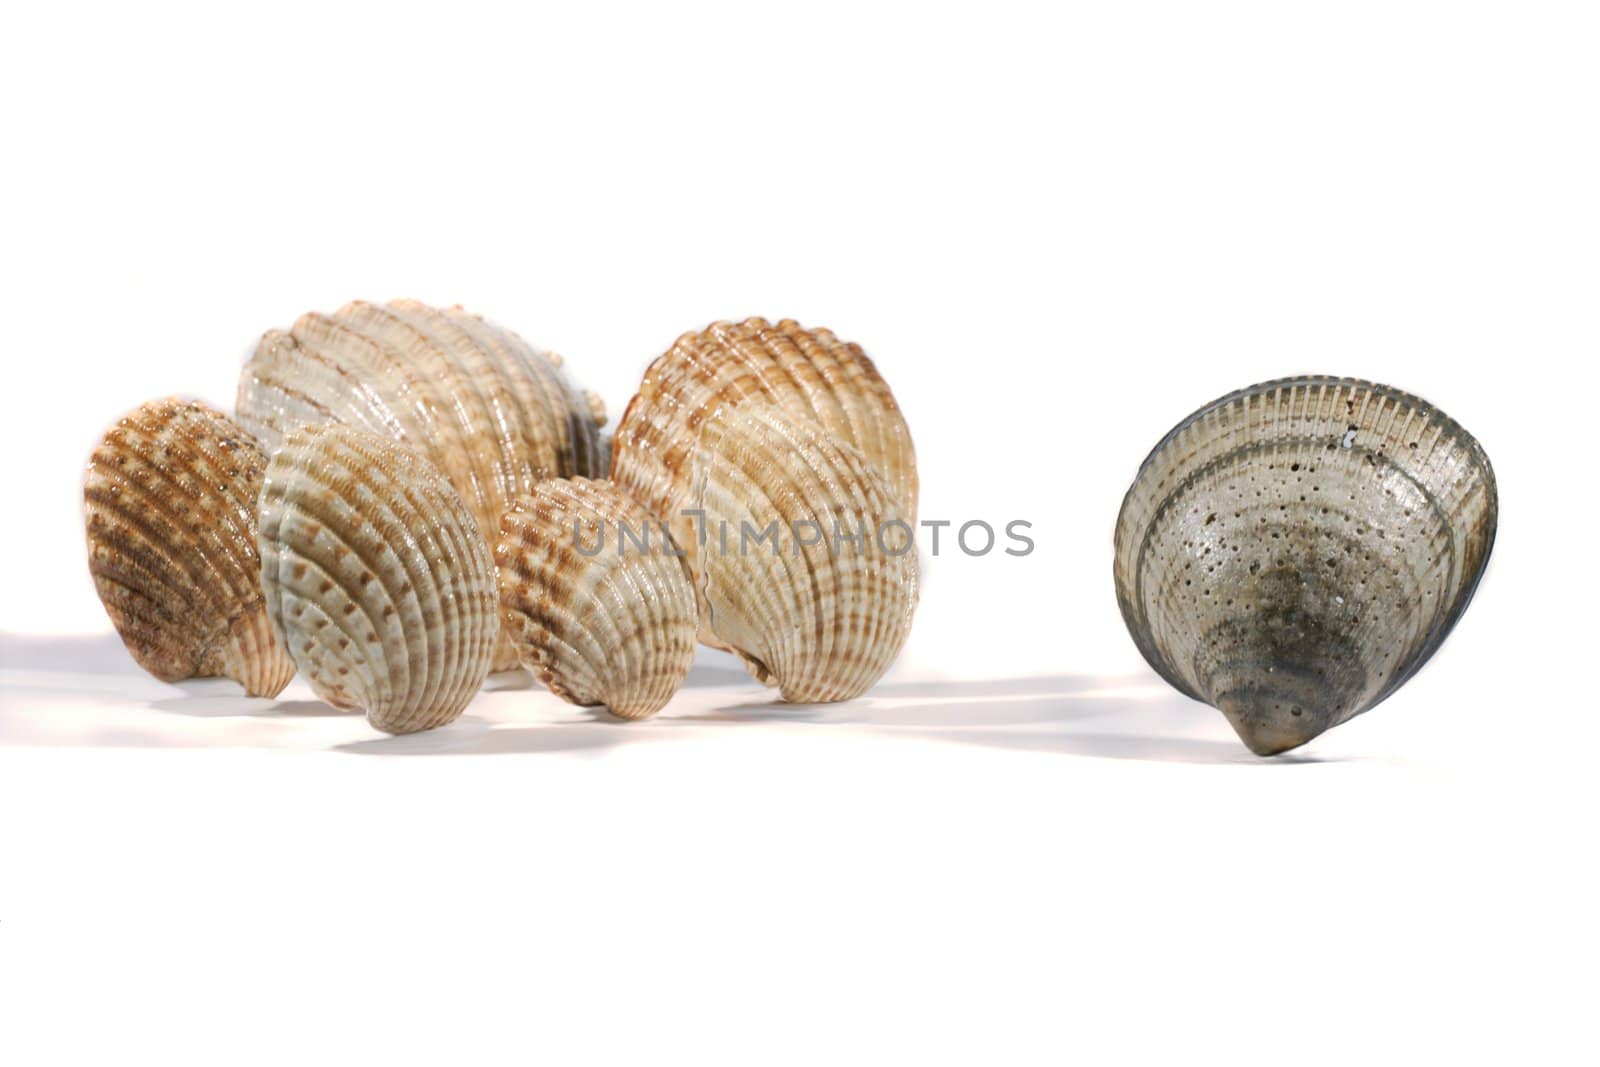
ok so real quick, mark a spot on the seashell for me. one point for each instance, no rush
(1293, 552)
(377, 578)
(494, 415)
(595, 597)
(170, 509)
(759, 517)
(809, 374)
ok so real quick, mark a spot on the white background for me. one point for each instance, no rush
(1057, 231)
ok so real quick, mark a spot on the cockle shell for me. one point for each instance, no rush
(801, 558)
(170, 506)
(494, 415)
(1293, 552)
(377, 578)
(595, 597)
(810, 374)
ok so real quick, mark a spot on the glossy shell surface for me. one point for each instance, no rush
(595, 598)
(745, 425)
(809, 374)
(377, 578)
(802, 563)
(170, 511)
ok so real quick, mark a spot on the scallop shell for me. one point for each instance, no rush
(595, 597)
(376, 576)
(810, 374)
(494, 415)
(170, 509)
(819, 615)
(1293, 552)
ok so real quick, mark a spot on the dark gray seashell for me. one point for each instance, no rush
(1293, 552)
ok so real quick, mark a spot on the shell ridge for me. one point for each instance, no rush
(496, 402)
(159, 522)
(429, 409)
(769, 657)
(317, 338)
(570, 450)
(738, 396)
(546, 442)
(327, 638)
(612, 602)
(415, 596)
(565, 622)
(307, 557)
(465, 636)
(1180, 492)
(588, 623)
(522, 440)
(468, 408)
(342, 480)
(168, 493)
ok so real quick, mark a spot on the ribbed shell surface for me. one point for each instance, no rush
(493, 414)
(808, 373)
(799, 554)
(170, 514)
(1293, 552)
(595, 597)
(377, 578)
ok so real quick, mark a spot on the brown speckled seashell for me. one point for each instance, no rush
(1293, 552)
(493, 414)
(170, 506)
(759, 517)
(377, 578)
(594, 596)
(807, 373)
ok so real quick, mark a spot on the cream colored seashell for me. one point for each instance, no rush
(170, 509)
(595, 597)
(767, 496)
(377, 578)
(809, 374)
(494, 415)
(1292, 553)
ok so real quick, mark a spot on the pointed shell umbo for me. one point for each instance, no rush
(1293, 552)
(377, 578)
(493, 414)
(594, 596)
(807, 373)
(170, 510)
(800, 555)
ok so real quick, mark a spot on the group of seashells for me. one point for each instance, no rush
(407, 498)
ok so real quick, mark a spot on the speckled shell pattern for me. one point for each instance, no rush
(819, 616)
(376, 576)
(595, 597)
(807, 373)
(170, 510)
(493, 414)
(1293, 552)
